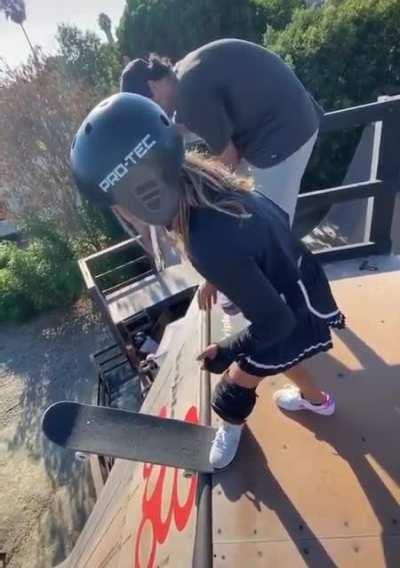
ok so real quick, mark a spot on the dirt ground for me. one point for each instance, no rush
(46, 494)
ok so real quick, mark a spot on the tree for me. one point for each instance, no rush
(278, 13)
(14, 10)
(41, 107)
(346, 53)
(40, 111)
(104, 22)
(174, 27)
(86, 58)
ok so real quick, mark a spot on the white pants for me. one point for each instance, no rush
(281, 183)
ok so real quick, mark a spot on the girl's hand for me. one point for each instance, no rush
(207, 296)
(208, 354)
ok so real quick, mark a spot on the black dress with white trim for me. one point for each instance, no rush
(279, 286)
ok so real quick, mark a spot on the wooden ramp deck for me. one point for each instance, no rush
(316, 491)
(305, 491)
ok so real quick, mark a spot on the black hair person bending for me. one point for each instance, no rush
(127, 155)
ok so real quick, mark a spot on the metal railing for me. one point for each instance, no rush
(382, 187)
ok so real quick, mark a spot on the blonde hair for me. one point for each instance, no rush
(207, 183)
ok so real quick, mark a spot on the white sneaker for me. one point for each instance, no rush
(289, 398)
(225, 445)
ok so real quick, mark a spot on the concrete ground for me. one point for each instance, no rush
(46, 494)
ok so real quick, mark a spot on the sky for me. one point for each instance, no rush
(43, 16)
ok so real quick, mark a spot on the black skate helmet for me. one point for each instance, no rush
(127, 152)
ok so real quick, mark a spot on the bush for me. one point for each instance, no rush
(6, 250)
(41, 276)
(14, 304)
(98, 229)
(45, 274)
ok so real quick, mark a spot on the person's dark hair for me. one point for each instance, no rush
(159, 67)
(138, 72)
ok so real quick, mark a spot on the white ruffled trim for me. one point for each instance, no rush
(311, 307)
(293, 361)
(338, 320)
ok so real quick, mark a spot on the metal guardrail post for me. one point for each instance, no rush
(389, 172)
(203, 546)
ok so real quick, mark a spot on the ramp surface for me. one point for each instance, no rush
(317, 491)
(145, 516)
(305, 490)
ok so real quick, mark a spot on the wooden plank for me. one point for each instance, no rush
(86, 274)
(108, 509)
(301, 476)
(97, 476)
(161, 518)
(123, 245)
(352, 552)
(146, 293)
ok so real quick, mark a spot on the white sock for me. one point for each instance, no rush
(229, 426)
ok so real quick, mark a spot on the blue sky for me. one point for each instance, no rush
(42, 19)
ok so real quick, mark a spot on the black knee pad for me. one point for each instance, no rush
(232, 402)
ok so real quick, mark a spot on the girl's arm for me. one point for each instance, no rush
(271, 319)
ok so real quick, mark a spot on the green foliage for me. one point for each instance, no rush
(346, 53)
(40, 111)
(6, 250)
(85, 57)
(98, 229)
(278, 13)
(45, 273)
(14, 304)
(175, 27)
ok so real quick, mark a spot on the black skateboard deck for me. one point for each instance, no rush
(129, 435)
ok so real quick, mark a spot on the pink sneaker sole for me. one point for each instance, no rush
(290, 399)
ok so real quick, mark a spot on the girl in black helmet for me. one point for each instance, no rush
(128, 155)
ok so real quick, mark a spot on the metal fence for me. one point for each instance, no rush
(382, 187)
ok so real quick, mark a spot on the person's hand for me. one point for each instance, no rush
(208, 354)
(207, 296)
